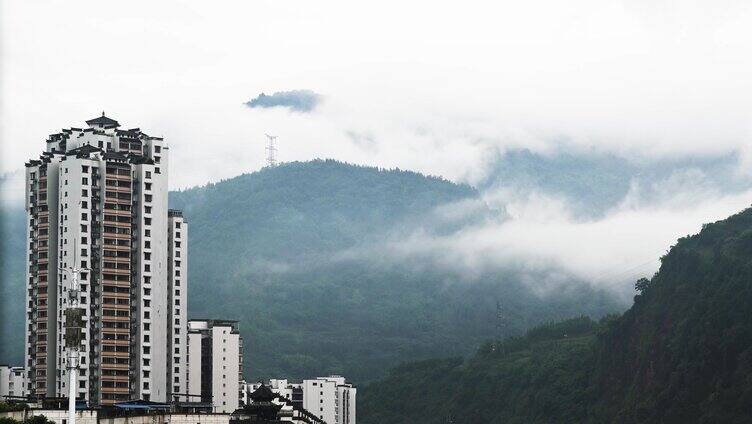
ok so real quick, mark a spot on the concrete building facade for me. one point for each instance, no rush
(215, 358)
(96, 200)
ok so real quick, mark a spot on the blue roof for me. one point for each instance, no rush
(142, 404)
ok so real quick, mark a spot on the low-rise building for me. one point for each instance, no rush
(12, 381)
(331, 398)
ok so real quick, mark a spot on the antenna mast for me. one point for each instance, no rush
(271, 161)
(73, 333)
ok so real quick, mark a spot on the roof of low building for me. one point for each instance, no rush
(103, 121)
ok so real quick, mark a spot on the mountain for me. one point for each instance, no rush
(12, 252)
(681, 354)
(296, 253)
(304, 256)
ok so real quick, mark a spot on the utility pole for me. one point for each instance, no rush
(74, 324)
(271, 161)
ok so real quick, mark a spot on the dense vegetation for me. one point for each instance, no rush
(295, 253)
(12, 252)
(681, 354)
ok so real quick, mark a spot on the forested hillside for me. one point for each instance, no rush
(289, 251)
(297, 254)
(681, 354)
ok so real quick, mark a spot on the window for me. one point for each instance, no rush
(147, 221)
(157, 149)
(84, 204)
(147, 233)
(147, 350)
(147, 326)
(147, 198)
(177, 225)
(177, 234)
(83, 264)
(177, 244)
(147, 268)
(84, 217)
(84, 192)
(157, 159)
(147, 209)
(84, 252)
(84, 240)
(147, 244)
(147, 256)
(84, 169)
(147, 186)
(84, 228)
(148, 174)
(156, 170)
(147, 292)
(84, 181)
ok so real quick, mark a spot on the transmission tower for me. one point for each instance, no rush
(271, 161)
(499, 326)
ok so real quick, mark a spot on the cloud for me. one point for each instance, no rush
(538, 238)
(296, 100)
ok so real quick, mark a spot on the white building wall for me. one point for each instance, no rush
(193, 374)
(319, 398)
(74, 252)
(151, 283)
(177, 322)
(4, 380)
(225, 369)
(17, 382)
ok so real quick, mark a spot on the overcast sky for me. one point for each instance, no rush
(419, 85)
(436, 87)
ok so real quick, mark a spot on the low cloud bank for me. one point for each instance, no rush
(540, 236)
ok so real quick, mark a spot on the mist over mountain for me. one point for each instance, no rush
(335, 268)
(681, 354)
(594, 183)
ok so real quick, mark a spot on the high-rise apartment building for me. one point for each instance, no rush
(96, 200)
(215, 363)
